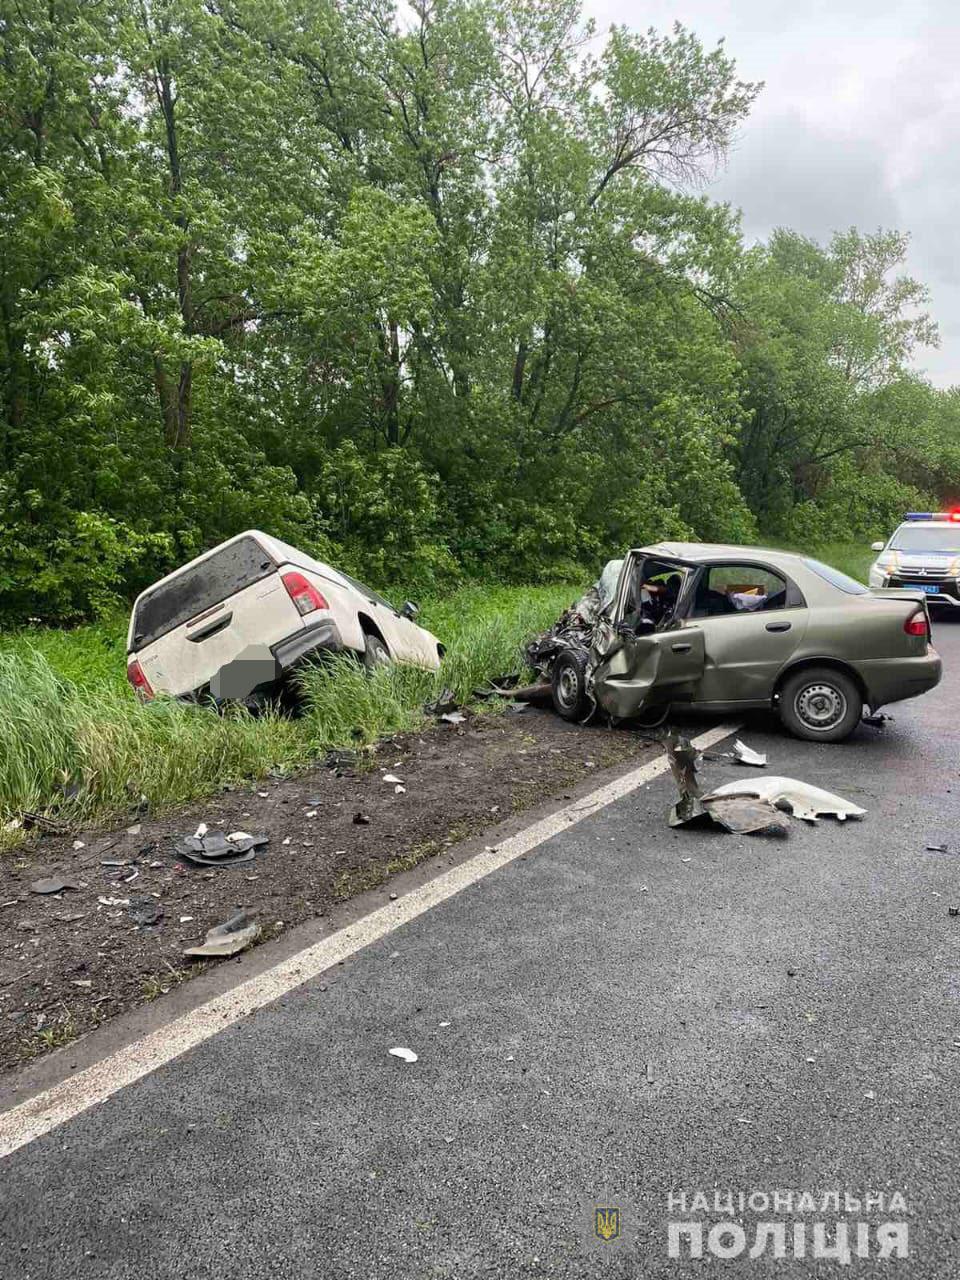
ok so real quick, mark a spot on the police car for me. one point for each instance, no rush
(924, 555)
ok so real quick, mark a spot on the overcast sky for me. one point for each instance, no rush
(859, 124)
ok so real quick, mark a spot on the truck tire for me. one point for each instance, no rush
(568, 685)
(375, 653)
(820, 704)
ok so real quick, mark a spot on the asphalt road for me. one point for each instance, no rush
(633, 1012)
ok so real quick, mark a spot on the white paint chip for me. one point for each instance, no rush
(406, 1054)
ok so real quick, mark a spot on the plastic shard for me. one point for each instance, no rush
(684, 758)
(800, 798)
(746, 755)
(228, 938)
(746, 816)
(406, 1054)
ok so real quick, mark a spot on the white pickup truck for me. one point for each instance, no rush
(232, 623)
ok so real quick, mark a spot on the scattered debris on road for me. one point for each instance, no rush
(741, 754)
(406, 1054)
(145, 911)
(746, 755)
(227, 939)
(745, 816)
(741, 807)
(684, 758)
(803, 800)
(214, 849)
(53, 884)
(499, 767)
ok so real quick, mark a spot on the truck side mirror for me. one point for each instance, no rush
(876, 546)
(409, 610)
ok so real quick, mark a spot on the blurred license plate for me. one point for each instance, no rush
(928, 587)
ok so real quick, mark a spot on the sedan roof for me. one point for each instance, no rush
(710, 552)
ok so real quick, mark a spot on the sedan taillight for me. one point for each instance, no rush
(917, 626)
(303, 593)
(141, 685)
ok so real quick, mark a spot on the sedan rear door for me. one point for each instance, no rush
(753, 619)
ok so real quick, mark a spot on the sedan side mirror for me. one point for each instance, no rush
(876, 546)
(409, 610)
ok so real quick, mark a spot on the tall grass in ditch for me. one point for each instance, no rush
(85, 752)
(86, 747)
(485, 638)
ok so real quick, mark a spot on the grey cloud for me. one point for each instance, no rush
(787, 172)
(858, 125)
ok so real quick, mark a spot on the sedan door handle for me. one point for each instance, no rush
(681, 648)
(779, 626)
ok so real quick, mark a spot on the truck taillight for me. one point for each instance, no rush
(303, 593)
(917, 626)
(141, 685)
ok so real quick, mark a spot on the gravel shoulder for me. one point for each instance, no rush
(72, 960)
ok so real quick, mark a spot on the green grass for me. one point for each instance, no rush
(853, 558)
(850, 557)
(75, 741)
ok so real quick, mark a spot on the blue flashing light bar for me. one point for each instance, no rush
(933, 515)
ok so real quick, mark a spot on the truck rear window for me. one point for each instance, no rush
(199, 587)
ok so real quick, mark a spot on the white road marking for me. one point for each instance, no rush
(45, 1111)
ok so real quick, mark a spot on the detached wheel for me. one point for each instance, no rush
(820, 705)
(568, 684)
(374, 653)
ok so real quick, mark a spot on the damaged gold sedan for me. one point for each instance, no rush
(728, 628)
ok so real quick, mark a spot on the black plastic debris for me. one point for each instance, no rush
(214, 849)
(341, 760)
(361, 819)
(937, 848)
(48, 826)
(145, 911)
(201, 860)
(442, 705)
(53, 884)
(215, 844)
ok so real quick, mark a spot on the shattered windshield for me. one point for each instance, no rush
(927, 537)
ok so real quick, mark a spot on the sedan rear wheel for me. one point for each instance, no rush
(820, 705)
